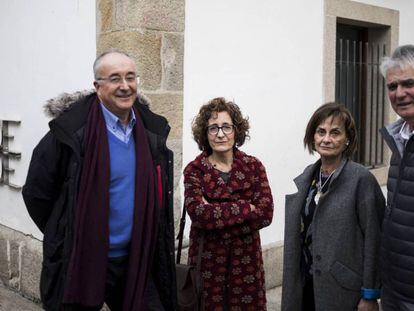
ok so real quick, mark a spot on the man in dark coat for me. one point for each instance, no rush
(398, 229)
(99, 187)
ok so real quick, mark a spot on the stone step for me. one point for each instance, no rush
(12, 301)
(274, 298)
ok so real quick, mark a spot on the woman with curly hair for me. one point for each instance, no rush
(228, 199)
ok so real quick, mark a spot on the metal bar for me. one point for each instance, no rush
(340, 69)
(353, 87)
(360, 134)
(347, 74)
(371, 104)
(376, 106)
(383, 107)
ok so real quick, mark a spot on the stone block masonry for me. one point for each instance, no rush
(152, 32)
(20, 262)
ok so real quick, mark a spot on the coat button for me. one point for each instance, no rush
(318, 272)
(318, 257)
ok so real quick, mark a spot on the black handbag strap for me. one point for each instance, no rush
(180, 237)
(181, 234)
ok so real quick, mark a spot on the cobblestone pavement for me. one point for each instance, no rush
(11, 301)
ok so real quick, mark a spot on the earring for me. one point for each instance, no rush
(347, 143)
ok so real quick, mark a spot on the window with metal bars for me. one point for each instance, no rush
(360, 86)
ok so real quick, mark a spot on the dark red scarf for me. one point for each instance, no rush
(85, 282)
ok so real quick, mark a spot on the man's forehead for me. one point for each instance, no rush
(400, 74)
(116, 62)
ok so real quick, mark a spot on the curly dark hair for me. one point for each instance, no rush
(219, 104)
(334, 110)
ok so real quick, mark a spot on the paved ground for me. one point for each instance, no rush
(11, 301)
(274, 298)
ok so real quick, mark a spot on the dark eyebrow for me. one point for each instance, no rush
(409, 80)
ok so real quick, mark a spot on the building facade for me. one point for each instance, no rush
(277, 60)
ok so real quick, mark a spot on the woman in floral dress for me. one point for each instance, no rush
(228, 199)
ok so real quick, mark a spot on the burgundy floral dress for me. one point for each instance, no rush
(232, 265)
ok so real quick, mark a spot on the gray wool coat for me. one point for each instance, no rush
(345, 240)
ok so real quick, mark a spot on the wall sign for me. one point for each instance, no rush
(6, 154)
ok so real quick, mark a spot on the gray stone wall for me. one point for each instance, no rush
(20, 262)
(152, 32)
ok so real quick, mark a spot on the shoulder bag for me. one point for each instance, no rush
(189, 285)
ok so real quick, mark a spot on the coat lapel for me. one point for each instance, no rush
(294, 202)
(337, 173)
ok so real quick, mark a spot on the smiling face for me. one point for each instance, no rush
(221, 142)
(330, 138)
(117, 97)
(400, 84)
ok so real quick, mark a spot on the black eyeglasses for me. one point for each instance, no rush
(226, 128)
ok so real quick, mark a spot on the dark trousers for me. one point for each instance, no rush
(391, 303)
(308, 298)
(116, 277)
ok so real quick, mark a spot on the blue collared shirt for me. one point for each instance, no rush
(115, 126)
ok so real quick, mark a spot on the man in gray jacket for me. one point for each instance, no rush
(397, 251)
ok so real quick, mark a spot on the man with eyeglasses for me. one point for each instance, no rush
(397, 256)
(100, 187)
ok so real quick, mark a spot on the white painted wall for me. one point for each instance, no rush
(47, 47)
(406, 9)
(267, 56)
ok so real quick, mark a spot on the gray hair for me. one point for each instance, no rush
(97, 61)
(402, 57)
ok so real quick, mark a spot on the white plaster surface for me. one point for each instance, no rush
(406, 9)
(47, 47)
(267, 56)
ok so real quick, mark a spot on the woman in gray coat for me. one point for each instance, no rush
(333, 223)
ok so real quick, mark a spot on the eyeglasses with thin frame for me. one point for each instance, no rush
(118, 80)
(226, 129)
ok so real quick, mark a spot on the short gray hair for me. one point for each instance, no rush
(97, 61)
(402, 57)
